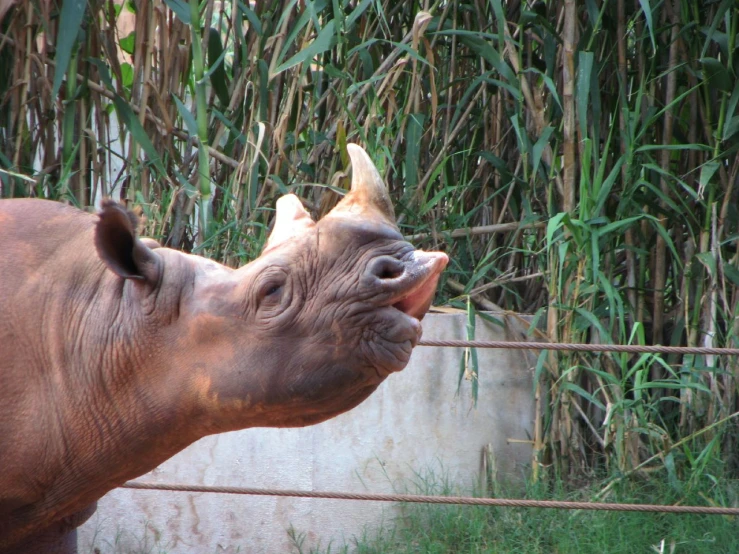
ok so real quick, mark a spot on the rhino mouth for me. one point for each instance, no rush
(409, 285)
(421, 276)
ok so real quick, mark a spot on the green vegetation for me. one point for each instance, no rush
(434, 529)
(598, 138)
(453, 529)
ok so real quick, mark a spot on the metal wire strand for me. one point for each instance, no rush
(630, 348)
(503, 502)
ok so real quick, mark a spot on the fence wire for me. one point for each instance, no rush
(426, 499)
(574, 347)
(467, 500)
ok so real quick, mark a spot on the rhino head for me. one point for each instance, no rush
(306, 331)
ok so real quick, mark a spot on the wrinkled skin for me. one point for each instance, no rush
(115, 353)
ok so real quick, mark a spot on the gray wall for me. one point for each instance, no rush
(417, 421)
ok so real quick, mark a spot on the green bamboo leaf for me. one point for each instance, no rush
(130, 120)
(672, 478)
(217, 72)
(605, 189)
(648, 16)
(586, 189)
(541, 363)
(180, 9)
(187, 117)
(717, 74)
(553, 225)
(584, 68)
(593, 12)
(472, 89)
(483, 270)
(104, 72)
(731, 273)
(406, 49)
(232, 126)
(718, 17)
(498, 164)
(731, 128)
(251, 17)
(620, 224)
(339, 18)
(708, 260)
(708, 170)
(324, 41)
(656, 195)
(356, 13)
(305, 17)
(413, 133)
(672, 177)
(524, 145)
(548, 82)
(594, 265)
(70, 20)
(669, 384)
(539, 147)
(500, 19)
(667, 238)
(475, 42)
(615, 302)
(731, 110)
(648, 123)
(471, 354)
(431, 204)
(652, 147)
(594, 322)
(577, 389)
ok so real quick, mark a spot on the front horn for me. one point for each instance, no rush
(368, 192)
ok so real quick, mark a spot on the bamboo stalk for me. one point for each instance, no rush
(569, 169)
(660, 255)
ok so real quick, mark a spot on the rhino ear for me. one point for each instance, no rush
(118, 246)
(368, 194)
(291, 220)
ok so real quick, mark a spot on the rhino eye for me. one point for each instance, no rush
(270, 291)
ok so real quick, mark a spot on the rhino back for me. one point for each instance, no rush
(47, 258)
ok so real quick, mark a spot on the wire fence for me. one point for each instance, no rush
(475, 501)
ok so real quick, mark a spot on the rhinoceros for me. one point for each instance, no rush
(116, 353)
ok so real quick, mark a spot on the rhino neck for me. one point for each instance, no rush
(110, 421)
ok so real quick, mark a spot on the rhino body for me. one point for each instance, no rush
(116, 353)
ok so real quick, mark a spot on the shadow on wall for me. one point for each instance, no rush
(423, 417)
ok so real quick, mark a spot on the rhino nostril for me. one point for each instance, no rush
(386, 267)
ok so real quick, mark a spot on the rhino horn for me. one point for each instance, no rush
(368, 194)
(291, 219)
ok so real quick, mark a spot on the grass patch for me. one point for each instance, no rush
(434, 529)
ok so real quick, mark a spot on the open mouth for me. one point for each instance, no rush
(426, 270)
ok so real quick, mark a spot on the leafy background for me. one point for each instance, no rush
(576, 159)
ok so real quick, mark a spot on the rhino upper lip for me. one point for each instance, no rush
(424, 275)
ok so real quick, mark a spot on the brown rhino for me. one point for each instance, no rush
(116, 353)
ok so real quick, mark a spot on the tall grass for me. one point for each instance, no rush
(577, 160)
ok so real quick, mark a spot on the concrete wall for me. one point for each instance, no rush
(416, 421)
